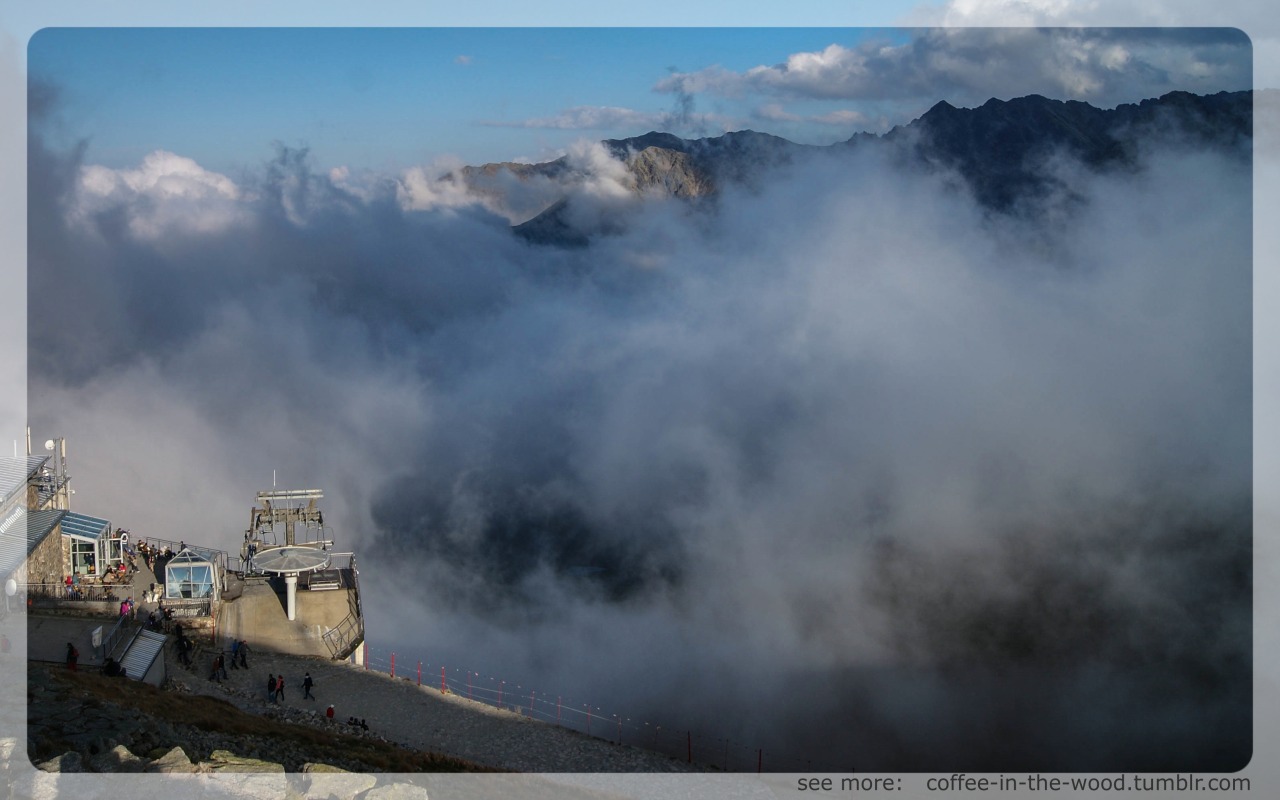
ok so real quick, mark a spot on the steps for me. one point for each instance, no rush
(141, 653)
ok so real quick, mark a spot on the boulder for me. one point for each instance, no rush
(117, 759)
(226, 761)
(397, 791)
(324, 781)
(67, 762)
(174, 761)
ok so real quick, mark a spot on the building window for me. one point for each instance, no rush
(84, 559)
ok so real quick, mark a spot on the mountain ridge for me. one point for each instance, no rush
(1000, 150)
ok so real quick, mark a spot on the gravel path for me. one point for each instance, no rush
(423, 718)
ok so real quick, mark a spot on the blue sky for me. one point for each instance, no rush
(383, 98)
(388, 98)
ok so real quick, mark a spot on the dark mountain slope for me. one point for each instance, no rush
(1003, 150)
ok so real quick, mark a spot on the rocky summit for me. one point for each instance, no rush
(1006, 153)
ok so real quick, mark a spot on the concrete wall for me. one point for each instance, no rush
(156, 675)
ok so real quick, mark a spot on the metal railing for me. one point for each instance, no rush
(183, 609)
(87, 592)
(343, 639)
(682, 743)
(113, 637)
(218, 557)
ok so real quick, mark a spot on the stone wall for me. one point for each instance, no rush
(46, 564)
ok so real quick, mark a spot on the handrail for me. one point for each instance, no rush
(110, 641)
(87, 592)
(344, 638)
(219, 554)
(186, 607)
(220, 557)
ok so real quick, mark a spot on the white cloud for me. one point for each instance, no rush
(969, 65)
(166, 193)
(628, 121)
(847, 357)
(844, 117)
(1256, 19)
(434, 186)
(605, 177)
(1245, 14)
(591, 118)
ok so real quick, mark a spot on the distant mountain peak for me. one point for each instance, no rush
(1000, 148)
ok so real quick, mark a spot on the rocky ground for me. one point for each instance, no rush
(86, 722)
(421, 718)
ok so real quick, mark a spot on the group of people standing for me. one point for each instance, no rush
(275, 694)
(238, 660)
(275, 687)
(239, 652)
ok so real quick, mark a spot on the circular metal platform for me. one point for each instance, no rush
(291, 560)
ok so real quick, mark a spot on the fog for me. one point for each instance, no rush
(842, 466)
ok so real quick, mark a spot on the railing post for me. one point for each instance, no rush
(442, 684)
(393, 664)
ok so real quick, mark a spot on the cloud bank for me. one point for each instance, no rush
(966, 66)
(846, 465)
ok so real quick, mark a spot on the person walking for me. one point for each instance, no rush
(244, 649)
(235, 651)
(307, 683)
(182, 645)
(271, 687)
(280, 688)
(73, 655)
(329, 713)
